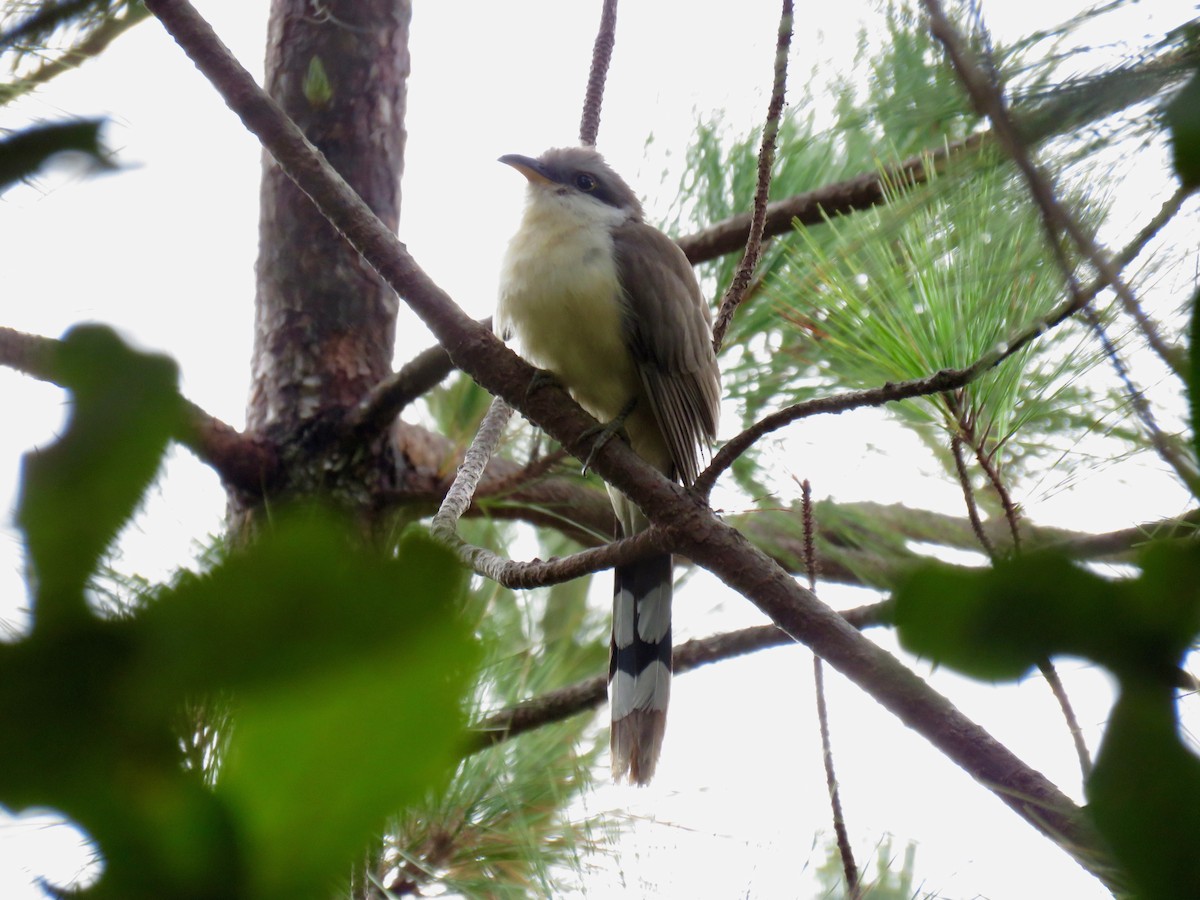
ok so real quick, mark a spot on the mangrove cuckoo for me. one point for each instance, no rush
(610, 307)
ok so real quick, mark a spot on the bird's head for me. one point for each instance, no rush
(578, 176)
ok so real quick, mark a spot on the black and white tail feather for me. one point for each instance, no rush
(639, 668)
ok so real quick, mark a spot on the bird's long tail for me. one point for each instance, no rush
(639, 669)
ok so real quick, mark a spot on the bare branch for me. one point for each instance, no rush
(845, 851)
(1046, 667)
(387, 400)
(811, 208)
(555, 706)
(964, 480)
(938, 382)
(458, 497)
(606, 39)
(736, 291)
(242, 462)
(509, 573)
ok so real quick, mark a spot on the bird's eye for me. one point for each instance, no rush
(585, 182)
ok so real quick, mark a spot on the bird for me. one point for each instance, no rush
(609, 306)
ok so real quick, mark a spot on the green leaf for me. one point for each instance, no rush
(1144, 794)
(78, 493)
(345, 670)
(318, 90)
(952, 616)
(1183, 121)
(998, 623)
(22, 154)
(348, 672)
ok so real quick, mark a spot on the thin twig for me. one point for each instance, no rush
(602, 50)
(1180, 462)
(810, 532)
(736, 291)
(845, 851)
(557, 705)
(507, 572)
(1046, 667)
(1183, 465)
(967, 434)
(964, 479)
(517, 479)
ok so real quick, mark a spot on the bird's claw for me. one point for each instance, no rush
(605, 433)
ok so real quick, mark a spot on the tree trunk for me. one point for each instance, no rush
(324, 321)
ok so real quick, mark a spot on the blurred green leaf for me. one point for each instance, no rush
(346, 669)
(998, 623)
(1183, 121)
(1144, 793)
(77, 493)
(23, 153)
(349, 671)
(361, 709)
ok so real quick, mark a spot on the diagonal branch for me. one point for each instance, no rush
(812, 207)
(242, 462)
(379, 408)
(585, 695)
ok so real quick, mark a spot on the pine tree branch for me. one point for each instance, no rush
(812, 207)
(95, 40)
(949, 379)
(590, 693)
(738, 285)
(989, 100)
(380, 407)
(582, 511)
(243, 463)
(688, 523)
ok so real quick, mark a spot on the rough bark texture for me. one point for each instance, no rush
(324, 321)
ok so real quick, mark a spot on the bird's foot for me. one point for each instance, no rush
(605, 433)
(541, 378)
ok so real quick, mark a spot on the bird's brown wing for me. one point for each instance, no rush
(669, 333)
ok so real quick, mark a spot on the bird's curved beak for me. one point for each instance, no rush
(527, 166)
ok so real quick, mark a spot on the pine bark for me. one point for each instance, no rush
(325, 322)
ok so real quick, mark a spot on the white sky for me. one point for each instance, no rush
(165, 252)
